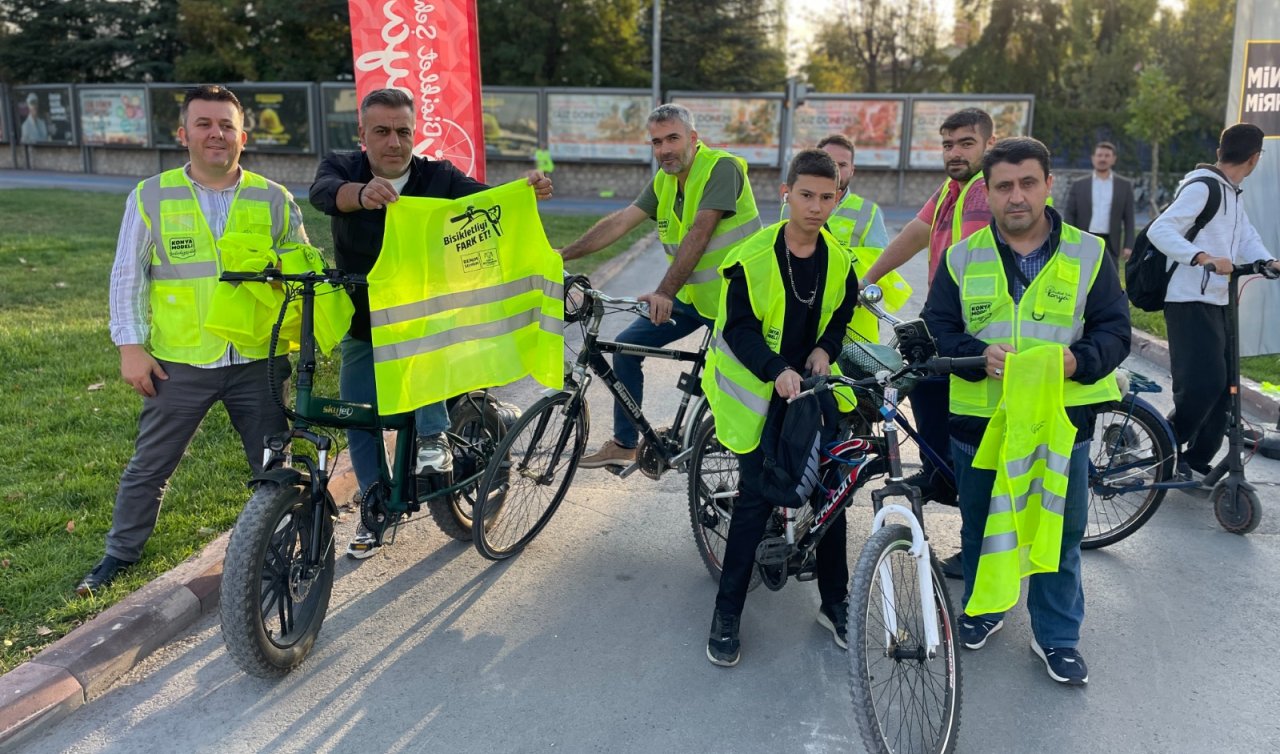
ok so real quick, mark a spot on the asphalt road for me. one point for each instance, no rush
(592, 641)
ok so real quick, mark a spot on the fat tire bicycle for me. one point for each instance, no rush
(279, 565)
(539, 454)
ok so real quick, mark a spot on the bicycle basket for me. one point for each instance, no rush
(860, 359)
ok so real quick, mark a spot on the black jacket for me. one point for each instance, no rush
(357, 236)
(1102, 348)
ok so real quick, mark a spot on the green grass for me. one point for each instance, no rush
(69, 422)
(1257, 368)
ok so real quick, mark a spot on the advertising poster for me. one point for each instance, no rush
(277, 119)
(608, 126)
(748, 127)
(431, 51)
(1260, 87)
(166, 115)
(341, 118)
(44, 116)
(114, 117)
(1011, 118)
(510, 124)
(874, 127)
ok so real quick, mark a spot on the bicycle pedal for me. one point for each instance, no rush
(806, 575)
(628, 471)
(773, 551)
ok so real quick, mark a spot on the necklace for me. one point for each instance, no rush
(813, 295)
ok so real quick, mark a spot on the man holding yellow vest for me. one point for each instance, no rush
(1031, 293)
(704, 208)
(168, 259)
(788, 298)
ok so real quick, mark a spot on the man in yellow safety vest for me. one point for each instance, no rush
(168, 259)
(704, 208)
(1030, 285)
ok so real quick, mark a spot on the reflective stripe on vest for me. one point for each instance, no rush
(1051, 311)
(850, 222)
(702, 289)
(957, 212)
(1028, 443)
(482, 306)
(186, 261)
(739, 400)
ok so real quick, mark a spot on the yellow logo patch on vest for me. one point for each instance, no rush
(473, 235)
(182, 247)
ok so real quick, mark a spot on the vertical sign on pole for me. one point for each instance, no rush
(430, 51)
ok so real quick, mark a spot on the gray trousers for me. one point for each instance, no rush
(166, 426)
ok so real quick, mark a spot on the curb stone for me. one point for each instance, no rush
(82, 665)
(1156, 350)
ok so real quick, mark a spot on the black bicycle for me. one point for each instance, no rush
(539, 454)
(279, 566)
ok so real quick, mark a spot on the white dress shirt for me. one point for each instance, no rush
(1100, 218)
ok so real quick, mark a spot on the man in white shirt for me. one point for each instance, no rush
(1103, 204)
(1195, 310)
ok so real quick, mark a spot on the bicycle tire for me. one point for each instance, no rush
(540, 450)
(713, 469)
(873, 700)
(1127, 431)
(260, 577)
(483, 430)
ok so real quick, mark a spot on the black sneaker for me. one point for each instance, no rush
(974, 632)
(102, 575)
(1065, 665)
(951, 567)
(723, 647)
(835, 618)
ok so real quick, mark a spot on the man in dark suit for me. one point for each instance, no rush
(1103, 204)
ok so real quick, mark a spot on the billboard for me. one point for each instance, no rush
(598, 125)
(43, 115)
(1260, 86)
(166, 114)
(1012, 117)
(114, 117)
(341, 113)
(750, 127)
(873, 125)
(277, 118)
(510, 124)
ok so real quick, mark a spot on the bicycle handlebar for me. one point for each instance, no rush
(870, 297)
(271, 275)
(936, 365)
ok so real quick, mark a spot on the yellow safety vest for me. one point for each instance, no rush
(739, 401)
(702, 289)
(1028, 444)
(850, 222)
(466, 294)
(186, 261)
(1051, 311)
(957, 212)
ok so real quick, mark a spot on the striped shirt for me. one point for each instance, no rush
(130, 295)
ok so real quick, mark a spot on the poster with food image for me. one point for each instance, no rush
(874, 127)
(598, 125)
(277, 119)
(749, 127)
(341, 116)
(44, 115)
(510, 124)
(114, 117)
(1012, 117)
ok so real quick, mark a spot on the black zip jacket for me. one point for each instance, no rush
(1102, 348)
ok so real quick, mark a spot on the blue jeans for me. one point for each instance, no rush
(356, 384)
(1054, 600)
(684, 320)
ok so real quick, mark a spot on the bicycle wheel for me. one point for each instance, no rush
(271, 604)
(530, 474)
(477, 428)
(713, 484)
(903, 700)
(1130, 448)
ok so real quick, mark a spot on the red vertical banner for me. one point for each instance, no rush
(429, 49)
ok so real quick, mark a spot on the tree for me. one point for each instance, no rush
(876, 45)
(73, 41)
(727, 45)
(1155, 114)
(561, 43)
(1021, 48)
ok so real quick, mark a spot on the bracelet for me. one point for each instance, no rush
(360, 196)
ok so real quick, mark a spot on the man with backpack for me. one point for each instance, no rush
(1195, 303)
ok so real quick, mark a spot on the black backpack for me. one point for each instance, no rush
(1148, 272)
(792, 441)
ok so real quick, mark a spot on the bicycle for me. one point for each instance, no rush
(905, 684)
(1137, 453)
(540, 452)
(279, 566)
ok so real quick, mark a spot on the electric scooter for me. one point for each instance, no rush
(1235, 500)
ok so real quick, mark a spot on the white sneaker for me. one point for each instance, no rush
(363, 544)
(435, 456)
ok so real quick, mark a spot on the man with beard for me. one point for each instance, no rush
(354, 189)
(704, 208)
(954, 212)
